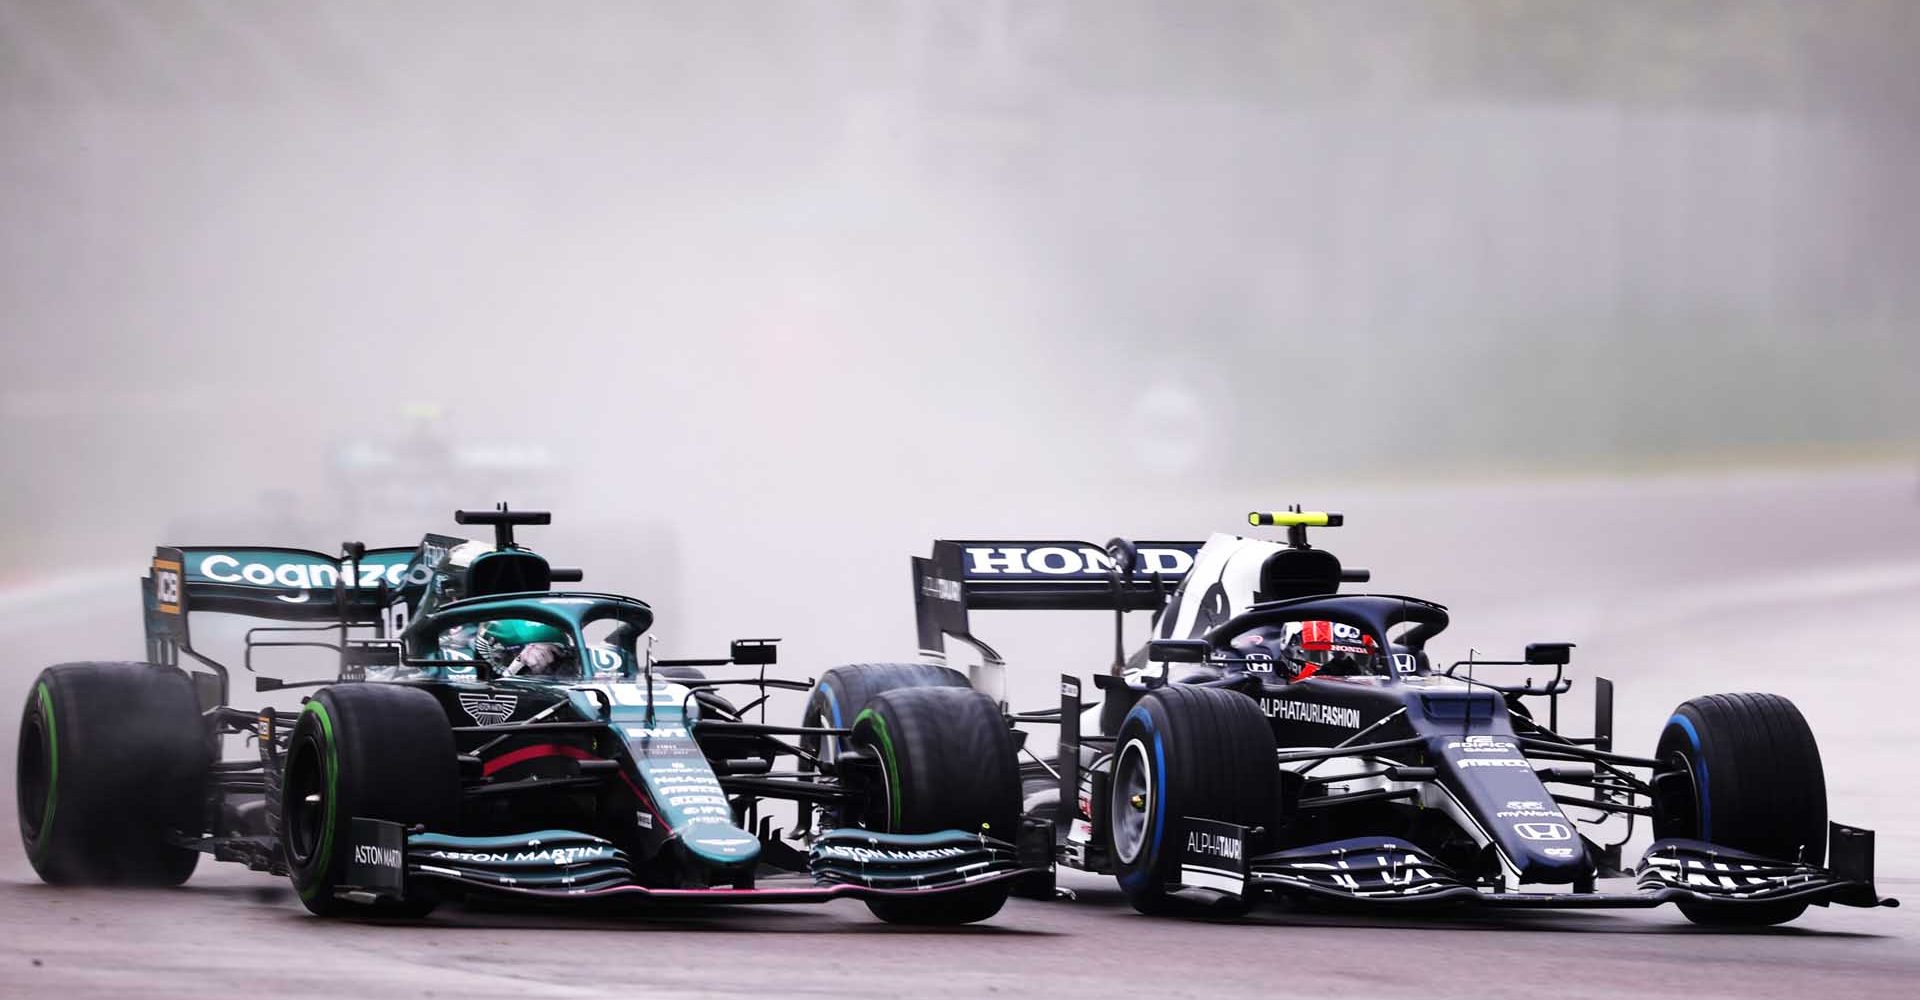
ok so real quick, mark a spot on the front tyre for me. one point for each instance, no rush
(1749, 777)
(376, 751)
(947, 762)
(1185, 751)
(111, 772)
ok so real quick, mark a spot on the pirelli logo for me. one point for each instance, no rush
(166, 586)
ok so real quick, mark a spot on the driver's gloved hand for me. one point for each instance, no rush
(538, 658)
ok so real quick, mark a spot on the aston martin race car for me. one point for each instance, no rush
(487, 735)
(1277, 736)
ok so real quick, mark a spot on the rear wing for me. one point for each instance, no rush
(1046, 575)
(277, 584)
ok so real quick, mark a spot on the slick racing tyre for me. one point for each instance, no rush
(1749, 778)
(112, 768)
(946, 762)
(376, 751)
(1185, 751)
(842, 693)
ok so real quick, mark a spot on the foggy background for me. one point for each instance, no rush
(1597, 319)
(762, 297)
(739, 259)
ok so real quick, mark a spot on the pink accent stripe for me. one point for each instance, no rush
(535, 752)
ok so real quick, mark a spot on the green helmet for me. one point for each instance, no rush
(501, 640)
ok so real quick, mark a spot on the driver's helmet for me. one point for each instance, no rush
(1312, 647)
(501, 640)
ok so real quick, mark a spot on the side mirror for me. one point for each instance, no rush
(1550, 654)
(754, 652)
(1178, 650)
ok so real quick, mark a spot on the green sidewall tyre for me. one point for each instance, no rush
(111, 773)
(368, 750)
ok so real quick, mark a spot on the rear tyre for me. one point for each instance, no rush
(1185, 751)
(376, 751)
(1752, 780)
(947, 762)
(112, 768)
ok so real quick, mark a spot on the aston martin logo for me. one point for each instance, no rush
(489, 709)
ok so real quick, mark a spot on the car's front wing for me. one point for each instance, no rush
(568, 865)
(1388, 871)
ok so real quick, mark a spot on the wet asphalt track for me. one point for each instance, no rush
(1676, 595)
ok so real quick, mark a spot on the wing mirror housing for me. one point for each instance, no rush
(1178, 650)
(754, 652)
(1549, 654)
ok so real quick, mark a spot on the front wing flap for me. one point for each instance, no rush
(950, 859)
(1381, 870)
(565, 864)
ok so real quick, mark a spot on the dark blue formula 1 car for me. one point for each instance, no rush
(1276, 736)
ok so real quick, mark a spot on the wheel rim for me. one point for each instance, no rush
(33, 782)
(1678, 808)
(1131, 808)
(306, 804)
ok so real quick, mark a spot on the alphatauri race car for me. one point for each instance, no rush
(487, 735)
(1277, 736)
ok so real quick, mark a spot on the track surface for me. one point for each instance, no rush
(1673, 587)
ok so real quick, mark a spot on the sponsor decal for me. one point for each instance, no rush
(940, 588)
(990, 561)
(1214, 856)
(489, 709)
(166, 586)
(1226, 848)
(1558, 852)
(1529, 809)
(883, 855)
(1405, 663)
(694, 793)
(306, 576)
(379, 857)
(1542, 831)
(1493, 762)
(656, 732)
(556, 856)
(1081, 832)
(1260, 663)
(1484, 744)
(604, 659)
(1293, 710)
(643, 819)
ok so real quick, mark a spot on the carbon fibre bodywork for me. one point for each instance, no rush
(598, 777)
(1399, 783)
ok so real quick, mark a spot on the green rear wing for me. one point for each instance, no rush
(277, 584)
